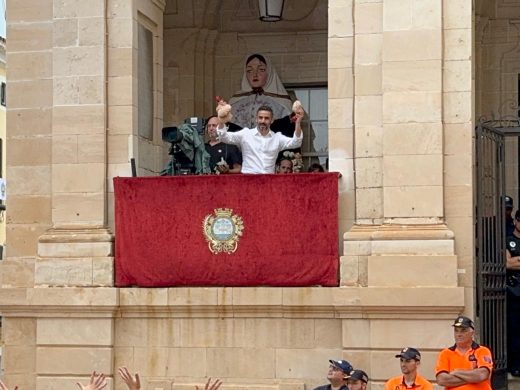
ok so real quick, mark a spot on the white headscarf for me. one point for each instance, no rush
(245, 103)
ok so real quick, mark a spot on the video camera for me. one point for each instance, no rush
(180, 138)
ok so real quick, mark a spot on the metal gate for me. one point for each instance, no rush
(490, 246)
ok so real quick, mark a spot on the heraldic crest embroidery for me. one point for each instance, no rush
(222, 230)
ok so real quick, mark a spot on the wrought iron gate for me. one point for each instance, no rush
(490, 246)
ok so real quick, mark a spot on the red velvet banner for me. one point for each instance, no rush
(289, 237)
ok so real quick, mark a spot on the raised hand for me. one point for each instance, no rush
(211, 386)
(97, 382)
(133, 382)
(4, 387)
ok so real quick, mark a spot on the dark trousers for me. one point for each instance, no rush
(513, 332)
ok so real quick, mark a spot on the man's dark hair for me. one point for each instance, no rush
(260, 57)
(317, 167)
(206, 121)
(265, 108)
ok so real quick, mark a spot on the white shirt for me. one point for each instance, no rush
(259, 152)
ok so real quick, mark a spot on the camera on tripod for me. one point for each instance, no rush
(186, 145)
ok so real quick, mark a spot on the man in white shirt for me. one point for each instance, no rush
(260, 146)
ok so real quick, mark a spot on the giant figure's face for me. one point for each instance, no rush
(256, 73)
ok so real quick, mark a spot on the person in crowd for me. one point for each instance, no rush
(466, 365)
(357, 380)
(316, 168)
(509, 223)
(285, 166)
(410, 360)
(260, 145)
(513, 297)
(224, 158)
(337, 375)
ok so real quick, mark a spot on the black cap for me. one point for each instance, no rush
(409, 353)
(343, 365)
(508, 201)
(463, 322)
(358, 375)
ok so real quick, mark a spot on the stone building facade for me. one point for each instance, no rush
(91, 83)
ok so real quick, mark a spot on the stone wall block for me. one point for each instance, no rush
(457, 14)
(412, 45)
(368, 110)
(143, 296)
(409, 332)
(457, 44)
(356, 333)
(30, 36)
(80, 209)
(75, 249)
(91, 149)
(65, 32)
(120, 32)
(120, 90)
(303, 363)
(457, 107)
(237, 362)
(344, 86)
(91, 31)
(413, 201)
(68, 382)
(120, 61)
(412, 170)
(17, 272)
(29, 66)
(340, 52)
(421, 139)
(29, 209)
(327, 333)
(19, 359)
(340, 112)
(409, 76)
(87, 119)
(63, 272)
(427, 14)
(33, 180)
(349, 270)
(78, 8)
(29, 151)
(457, 76)
(341, 143)
(121, 119)
(103, 272)
(369, 203)
(397, 15)
(19, 331)
(458, 201)
(23, 238)
(29, 11)
(73, 296)
(434, 271)
(403, 107)
(413, 247)
(75, 331)
(57, 360)
(66, 179)
(340, 21)
(91, 89)
(64, 149)
(368, 49)
(78, 61)
(29, 122)
(369, 172)
(368, 17)
(368, 80)
(257, 296)
(30, 94)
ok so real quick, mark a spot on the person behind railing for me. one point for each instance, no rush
(260, 145)
(285, 166)
(224, 158)
(316, 168)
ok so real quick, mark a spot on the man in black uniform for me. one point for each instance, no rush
(339, 371)
(509, 223)
(513, 297)
(224, 158)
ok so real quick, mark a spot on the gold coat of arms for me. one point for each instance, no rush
(222, 230)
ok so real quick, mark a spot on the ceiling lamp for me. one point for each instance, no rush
(270, 10)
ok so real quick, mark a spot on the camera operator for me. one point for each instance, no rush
(224, 158)
(513, 297)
